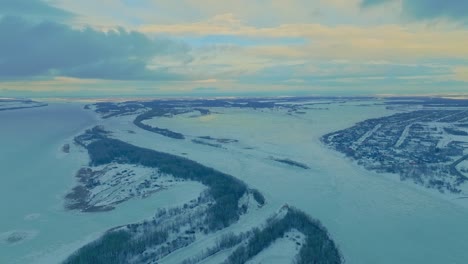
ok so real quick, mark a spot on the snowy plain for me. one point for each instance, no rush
(373, 218)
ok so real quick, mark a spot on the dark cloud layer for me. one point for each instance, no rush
(370, 3)
(32, 49)
(429, 9)
(35, 9)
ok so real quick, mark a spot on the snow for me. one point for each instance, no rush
(403, 136)
(4, 105)
(444, 137)
(366, 136)
(462, 167)
(249, 202)
(119, 182)
(248, 221)
(16, 104)
(218, 257)
(282, 251)
(14, 237)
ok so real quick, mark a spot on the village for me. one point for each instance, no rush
(425, 146)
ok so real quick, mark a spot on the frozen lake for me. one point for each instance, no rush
(373, 218)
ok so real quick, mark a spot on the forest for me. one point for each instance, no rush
(115, 247)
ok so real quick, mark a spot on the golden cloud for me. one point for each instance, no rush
(461, 74)
(343, 41)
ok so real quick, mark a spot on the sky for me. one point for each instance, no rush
(252, 47)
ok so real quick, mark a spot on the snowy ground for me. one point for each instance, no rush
(16, 236)
(115, 183)
(282, 251)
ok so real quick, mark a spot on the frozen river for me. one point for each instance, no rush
(373, 218)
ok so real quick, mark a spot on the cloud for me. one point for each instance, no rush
(234, 45)
(428, 9)
(35, 9)
(32, 49)
(369, 3)
(461, 73)
(326, 72)
(326, 42)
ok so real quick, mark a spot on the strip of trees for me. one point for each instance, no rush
(225, 189)
(319, 248)
(115, 247)
(162, 131)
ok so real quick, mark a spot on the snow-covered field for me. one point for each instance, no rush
(282, 251)
(373, 218)
(117, 183)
